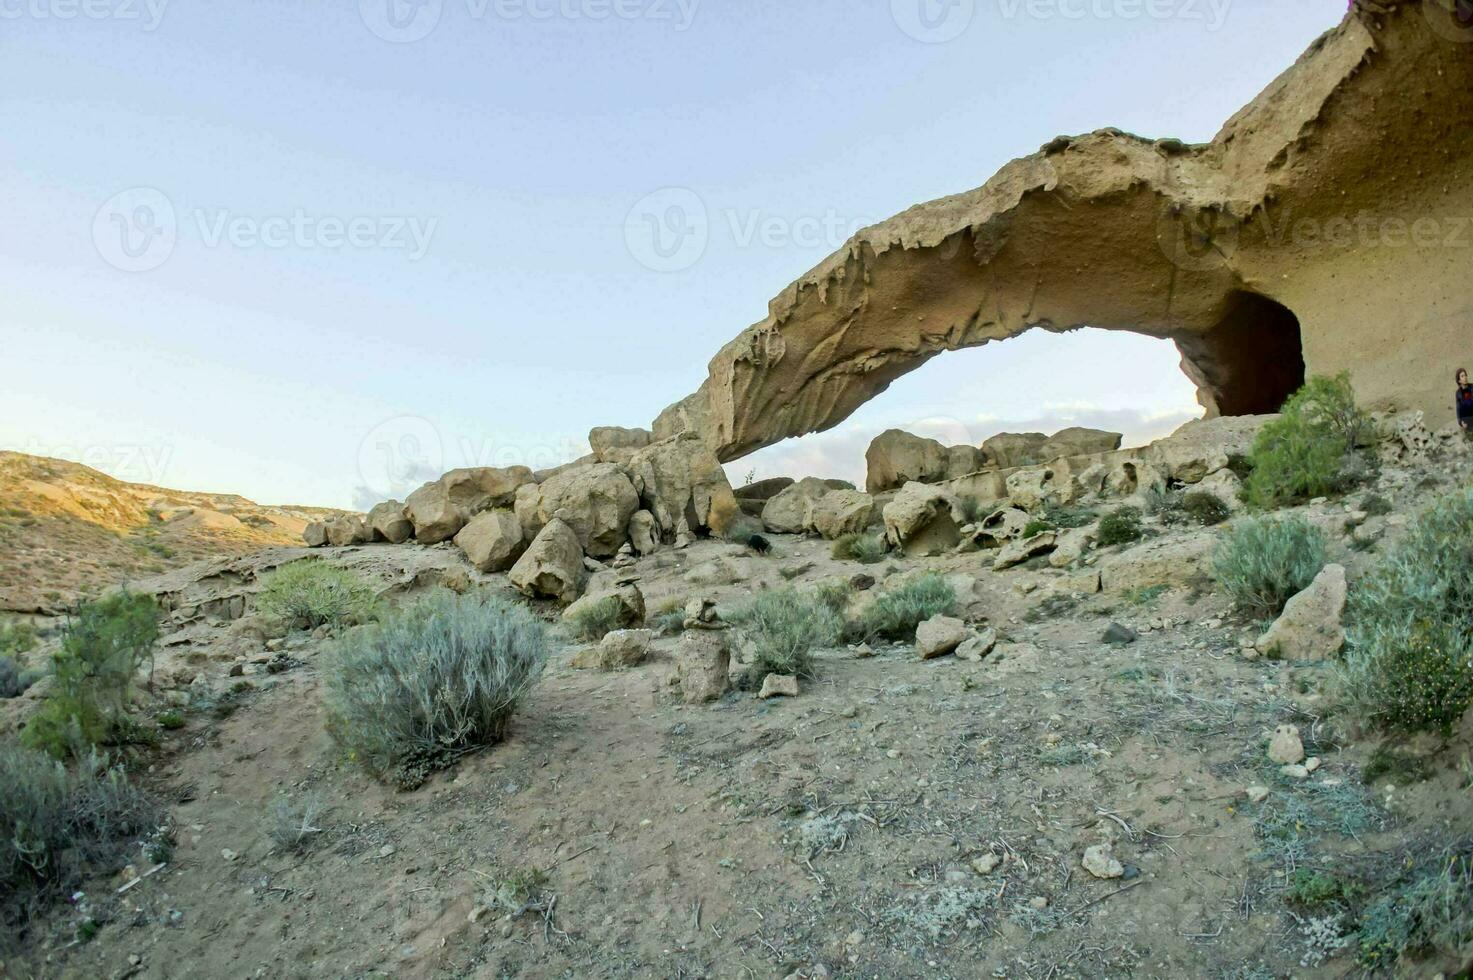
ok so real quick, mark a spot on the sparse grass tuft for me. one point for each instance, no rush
(310, 593)
(293, 827)
(973, 510)
(1432, 912)
(1409, 655)
(668, 617)
(867, 549)
(435, 681)
(594, 621)
(1375, 505)
(1120, 526)
(1144, 595)
(1402, 768)
(1263, 562)
(781, 629)
(1036, 527)
(896, 613)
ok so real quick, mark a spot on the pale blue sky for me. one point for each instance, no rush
(345, 244)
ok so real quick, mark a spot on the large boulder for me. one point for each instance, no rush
(386, 522)
(1168, 561)
(939, 636)
(599, 501)
(841, 512)
(1032, 487)
(752, 497)
(963, 460)
(314, 535)
(552, 567)
(1019, 551)
(613, 444)
(439, 509)
(792, 510)
(1309, 627)
(681, 483)
(923, 520)
(346, 529)
(896, 457)
(493, 540)
(1203, 447)
(1078, 441)
(1009, 449)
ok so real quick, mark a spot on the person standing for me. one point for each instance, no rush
(1464, 398)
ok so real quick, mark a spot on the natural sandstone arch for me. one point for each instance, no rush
(1235, 249)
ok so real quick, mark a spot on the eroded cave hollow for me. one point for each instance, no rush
(1250, 362)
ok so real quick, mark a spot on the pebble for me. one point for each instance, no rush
(1295, 771)
(1312, 763)
(387, 851)
(986, 864)
(1256, 794)
(863, 652)
(893, 754)
(1039, 902)
(228, 854)
(1099, 861)
(1286, 748)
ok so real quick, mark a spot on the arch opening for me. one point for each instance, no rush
(1250, 362)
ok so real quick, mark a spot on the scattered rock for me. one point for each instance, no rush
(791, 510)
(1100, 862)
(386, 522)
(779, 686)
(703, 663)
(976, 647)
(1309, 627)
(841, 512)
(624, 648)
(1286, 748)
(1118, 635)
(939, 636)
(1017, 552)
(986, 864)
(439, 509)
(1256, 793)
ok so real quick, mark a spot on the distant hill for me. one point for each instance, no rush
(67, 530)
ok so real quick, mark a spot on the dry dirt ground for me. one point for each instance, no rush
(67, 530)
(898, 819)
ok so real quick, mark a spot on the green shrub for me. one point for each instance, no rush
(668, 617)
(1036, 527)
(867, 549)
(15, 680)
(781, 628)
(1067, 516)
(1304, 453)
(1120, 526)
(1375, 505)
(592, 622)
(17, 638)
(310, 593)
(1311, 889)
(59, 825)
(103, 648)
(169, 721)
(1431, 913)
(1264, 562)
(896, 613)
(1205, 508)
(437, 680)
(1409, 652)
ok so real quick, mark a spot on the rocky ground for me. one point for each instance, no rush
(899, 818)
(68, 530)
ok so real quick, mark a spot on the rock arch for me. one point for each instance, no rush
(1234, 249)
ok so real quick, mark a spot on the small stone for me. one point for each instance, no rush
(1256, 793)
(1118, 635)
(893, 754)
(939, 636)
(387, 851)
(1286, 748)
(134, 959)
(1100, 862)
(986, 863)
(854, 938)
(779, 686)
(1039, 902)
(976, 647)
(1294, 772)
(1312, 764)
(955, 876)
(863, 652)
(228, 854)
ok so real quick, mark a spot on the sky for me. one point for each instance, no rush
(316, 253)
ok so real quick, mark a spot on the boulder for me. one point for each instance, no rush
(681, 483)
(939, 636)
(1225, 486)
(624, 648)
(542, 476)
(703, 664)
(841, 512)
(439, 509)
(493, 540)
(644, 532)
(1071, 545)
(611, 443)
(923, 520)
(1309, 627)
(386, 522)
(1002, 525)
(1202, 447)
(599, 501)
(1018, 551)
(626, 593)
(1009, 449)
(763, 490)
(1171, 561)
(791, 511)
(314, 535)
(346, 529)
(963, 460)
(1078, 441)
(1030, 488)
(779, 686)
(552, 566)
(896, 457)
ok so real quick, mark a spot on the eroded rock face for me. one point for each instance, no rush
(841, 512)
(682, 484)
(923, 520)
(1194, 243)
(552, 568)
(599, 501)
(791, 511)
